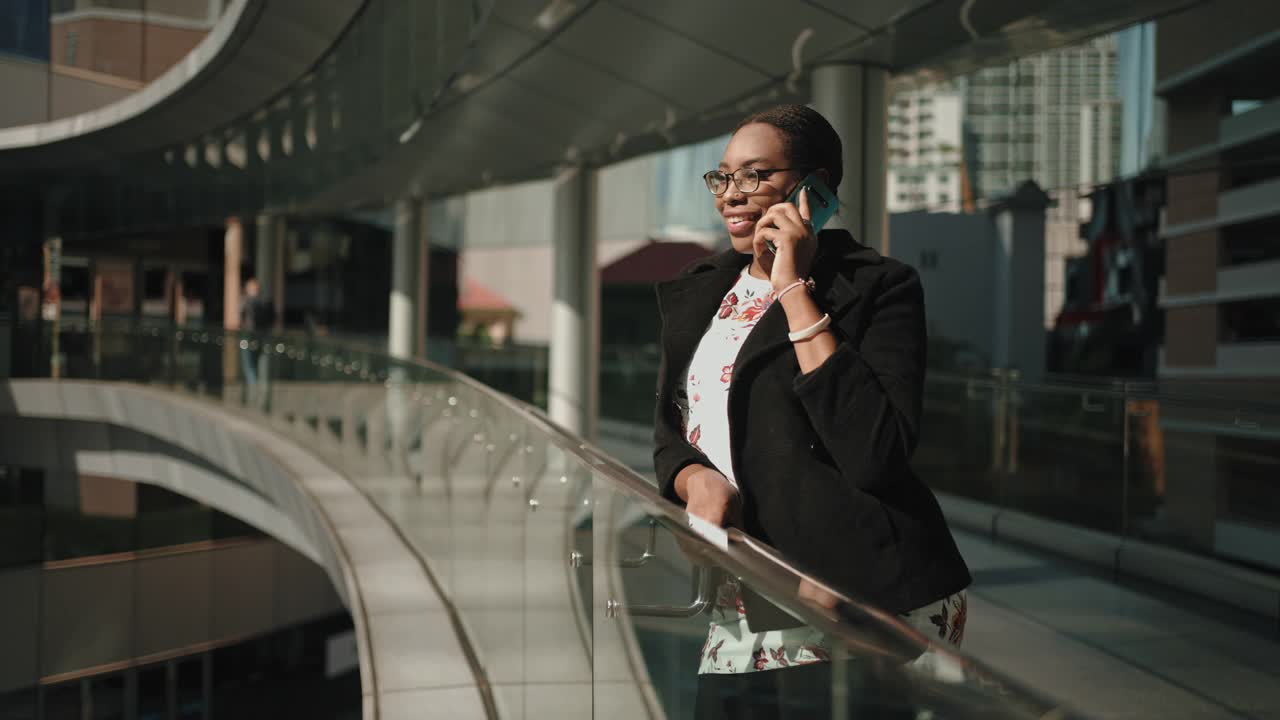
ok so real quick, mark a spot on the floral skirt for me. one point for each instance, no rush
(732, 648)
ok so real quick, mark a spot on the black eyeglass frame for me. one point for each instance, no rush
(761, 175)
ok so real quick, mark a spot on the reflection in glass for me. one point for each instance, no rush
(105, 696)
(21, 515)
(18, 704)
(62, 701)
(153, 701)
(190, 688)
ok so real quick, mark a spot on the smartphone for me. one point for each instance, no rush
(822, 203)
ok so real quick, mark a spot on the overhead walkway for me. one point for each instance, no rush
(504, 568)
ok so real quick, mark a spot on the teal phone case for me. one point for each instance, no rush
(822, 202)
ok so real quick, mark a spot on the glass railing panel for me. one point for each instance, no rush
(655, 600)
(1064, 455)
(1202, 476)
(623, 678)
(555, 650)
(489, 503)
(631, 374)
(962, 437)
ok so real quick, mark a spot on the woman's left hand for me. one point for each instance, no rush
(788, 227)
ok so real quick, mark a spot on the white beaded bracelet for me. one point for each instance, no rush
(812, 330)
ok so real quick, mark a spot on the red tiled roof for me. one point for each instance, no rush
(475, 296)
(652, 263)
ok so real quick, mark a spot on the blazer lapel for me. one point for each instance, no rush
(689, 302)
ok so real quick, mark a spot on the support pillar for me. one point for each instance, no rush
(1017, 281)
(575, 304)
(268, 267)
(233, 251)
(406, 318)
(855, 99)
(406, 330)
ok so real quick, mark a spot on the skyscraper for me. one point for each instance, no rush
(1052, 118)
(925, 149)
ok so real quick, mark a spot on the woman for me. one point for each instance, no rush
(789, 398)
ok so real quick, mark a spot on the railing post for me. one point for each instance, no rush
(1012, 401)
(999, 433)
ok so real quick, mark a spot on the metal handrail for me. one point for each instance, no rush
(1115, 389)
(699, 603)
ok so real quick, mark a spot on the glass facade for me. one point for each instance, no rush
(24, 28)
(60, 58)
(51, 517)
(274, 675)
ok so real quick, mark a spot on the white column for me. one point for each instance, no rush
(406, 236)
(233, 248)
(854, 98)
(575, 303)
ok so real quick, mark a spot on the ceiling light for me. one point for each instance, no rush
(553, 14)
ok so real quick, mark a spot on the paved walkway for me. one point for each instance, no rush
(1114, 651)
(1110, 650)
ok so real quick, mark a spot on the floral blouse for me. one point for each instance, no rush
(705, 396)
(731, 647)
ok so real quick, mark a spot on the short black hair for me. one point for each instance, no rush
(809, 139)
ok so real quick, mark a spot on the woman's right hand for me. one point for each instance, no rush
(709, 495)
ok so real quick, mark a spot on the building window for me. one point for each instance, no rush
(943, 198)
(1250, 321)
(944, 178)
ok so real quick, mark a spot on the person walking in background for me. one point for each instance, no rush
(253, 319)
(789, 400)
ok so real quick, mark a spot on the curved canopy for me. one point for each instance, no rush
(255, 51)
(617, 78)
(439, 97)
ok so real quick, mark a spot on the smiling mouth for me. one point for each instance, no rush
(739, 221)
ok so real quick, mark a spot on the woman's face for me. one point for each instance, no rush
(760, 146)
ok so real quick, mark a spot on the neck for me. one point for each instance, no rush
(759, 270)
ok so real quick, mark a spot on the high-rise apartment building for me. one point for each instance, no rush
(925, 149)
(1214, 69)
(1052, 118)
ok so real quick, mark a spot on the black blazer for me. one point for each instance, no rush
(822, 459)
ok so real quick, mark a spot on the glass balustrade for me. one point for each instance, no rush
(575, 588)
(1195, 472)
(1192, 472)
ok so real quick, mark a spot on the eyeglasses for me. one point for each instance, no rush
(746, 179)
